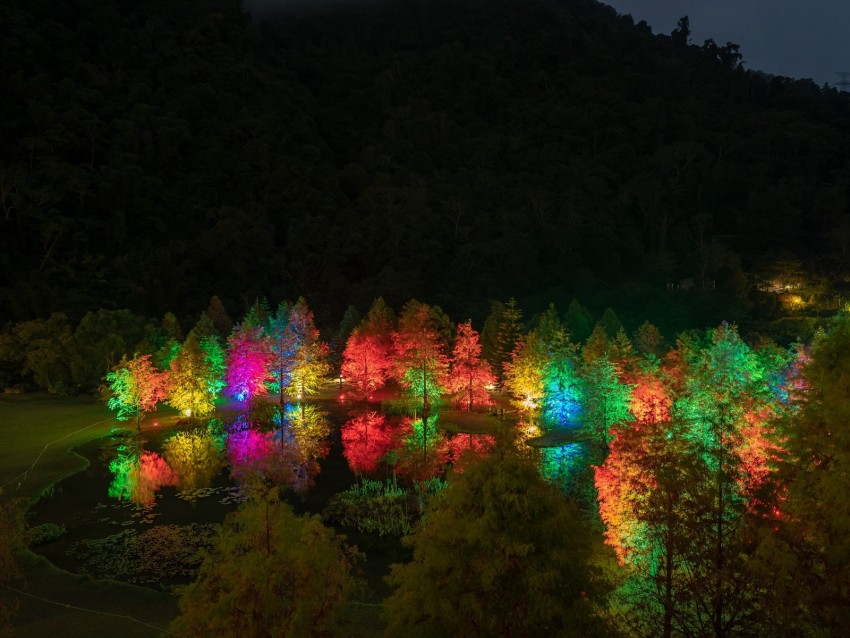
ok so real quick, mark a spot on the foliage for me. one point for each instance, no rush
(248, 358)
(815, 561)
(270, 572)
(516, 579)
(470, 378)
(192, 380)
(152, 556)
(563, 389)
(421, 365)
(374, 507)
(44, 533)
(524, 373)
(134, 387)
(310, 358)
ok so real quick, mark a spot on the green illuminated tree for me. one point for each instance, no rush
(480, 569)
(134, 387)
(270, 573)
(606, 402)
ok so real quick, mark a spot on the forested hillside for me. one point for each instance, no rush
(156, 153)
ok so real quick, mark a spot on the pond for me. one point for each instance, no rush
(146, 504)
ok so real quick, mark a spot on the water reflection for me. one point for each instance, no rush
(366, 439)
(286, 455)
(195, 456)
(138, 475)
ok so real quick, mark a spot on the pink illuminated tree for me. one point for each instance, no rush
(248, 362)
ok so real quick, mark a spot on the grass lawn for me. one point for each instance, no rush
(36, 435)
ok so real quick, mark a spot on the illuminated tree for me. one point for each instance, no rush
(470, 379)
(365, 441)
(171, 335)
(727, 396)
(366, 361)
(191, 380)
(606, 402)
(218, 316)
(420, 363)
(649, 517)
(270, 573)
(248, 361)
(563, 389)
(134, 387)
(598, 345)
(524, 374)
(283, 342)
(480, 569)
(310, 364)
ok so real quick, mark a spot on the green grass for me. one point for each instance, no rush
(37, 433)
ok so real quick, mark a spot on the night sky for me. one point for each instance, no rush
(802, 39)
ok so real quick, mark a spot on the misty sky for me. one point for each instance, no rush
(797, 38)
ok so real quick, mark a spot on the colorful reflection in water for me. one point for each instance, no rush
(287, 452)
(138, 476)
(366, 439)
(370, 440)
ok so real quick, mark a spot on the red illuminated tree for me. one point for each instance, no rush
(420, 363)
(471, 378)
(366, 361)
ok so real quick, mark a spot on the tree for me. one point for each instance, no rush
(818, 470)
(479, 568)
(420, 364)
(563, 389)
(191, 380)
(134, 387)
(270, 573)
(606, 402)
(283, 342)
(38, 348)
(220, 319)
(248, 360)
(366, 361)
(309, 363)
(649, 340)
(470, 378)
(578, 321)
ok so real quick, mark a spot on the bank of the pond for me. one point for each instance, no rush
(37, 435)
